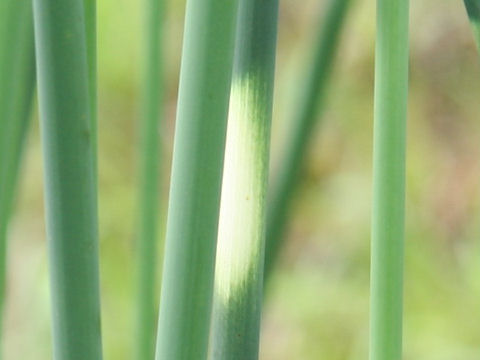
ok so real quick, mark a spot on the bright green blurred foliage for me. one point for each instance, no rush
(317, 305)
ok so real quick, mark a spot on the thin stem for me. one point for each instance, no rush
(391, 92)
(241, 238)
(17, 83)
(310, 106)
(188, 272)
(71, 204)
(152, 96)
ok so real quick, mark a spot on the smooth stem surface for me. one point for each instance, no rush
(188, 272)
(147, 254)
(71, 204)
(241, 238)
(391, 91)
(473, 11)
(17, 82)
(310, 106)
(90, 8)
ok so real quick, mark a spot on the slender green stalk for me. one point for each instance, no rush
(473, 11)
(90, 8)
(188, 272)
(391, 92)
(149, 180)
(71, 204)
(241, 239)
(17, 83)
(311, 104)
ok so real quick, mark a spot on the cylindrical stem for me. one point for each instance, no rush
(188, 272)
(391, 92)
(71, 204)
(241, 238)
(152, 96)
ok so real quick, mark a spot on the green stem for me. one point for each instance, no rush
(149, 180)
(17, 83)
(71, 204)
(241, 238)
(311, 104)
(391, 92)
(188, 272)
(90, 9)
(473, 11)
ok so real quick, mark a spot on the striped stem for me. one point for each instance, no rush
(241, 238)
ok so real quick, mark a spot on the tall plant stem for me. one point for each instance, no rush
(17, 82)
(391, 92)
(310, 106)
(241, 238)
(90, 9)
(71, 204)
(473, 11)
(188, 272)
(152, 96)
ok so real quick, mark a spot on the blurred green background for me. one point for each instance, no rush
(318, 302)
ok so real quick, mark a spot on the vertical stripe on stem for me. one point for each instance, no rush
(241, 238)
